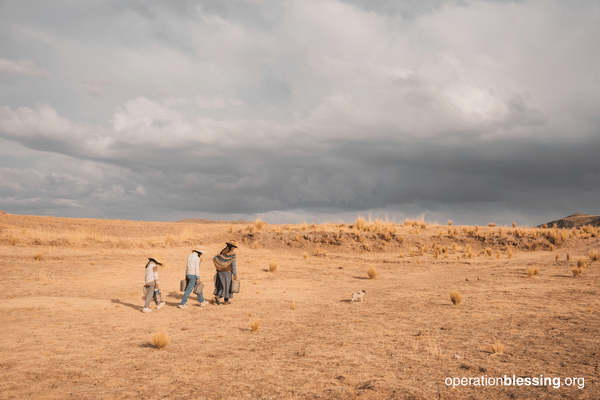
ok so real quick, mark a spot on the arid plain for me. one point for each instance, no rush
(72, 325)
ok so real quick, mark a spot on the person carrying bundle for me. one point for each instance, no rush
(192, 276)
(151, 286)
(225, 265)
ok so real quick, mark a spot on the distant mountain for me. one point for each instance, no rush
(574, 221)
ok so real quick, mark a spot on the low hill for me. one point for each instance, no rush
(574, 221)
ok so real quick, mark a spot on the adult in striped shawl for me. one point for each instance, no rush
(225, 265)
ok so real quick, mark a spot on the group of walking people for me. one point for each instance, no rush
(226, 274)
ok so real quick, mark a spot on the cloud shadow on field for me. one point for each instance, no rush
(135, 307)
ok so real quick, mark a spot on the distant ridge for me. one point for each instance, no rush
(210, 221)
(574, 221)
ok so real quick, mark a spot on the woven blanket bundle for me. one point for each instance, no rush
(222, 262)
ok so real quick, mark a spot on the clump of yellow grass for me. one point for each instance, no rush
(531, 272)
(509, 253)
(372, 272)
(39, 257)
(254, 325)
(449, 222)
(581, 263)
(455, 297)
(577, 271)
(594, 255)
(568, 256)
(305, 255)
(160, 340)
(498, 348)
(273, 266)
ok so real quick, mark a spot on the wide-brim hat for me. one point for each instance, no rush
(154, 261)
(231, 243)
(200, 249)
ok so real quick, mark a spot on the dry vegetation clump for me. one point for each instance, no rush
(497, 254)
(273, 267)
(14, 241)
(39, 257)
(254, 325)
(491, 224)
(531, 272)
(372, 272)
(581, 263)
(255, 245)
(293, 305)
(488, 252)
(557, 257)
(594, 255)
(160, 340)
(258, 224)
(568, 256)
(577, 271)
(514, 224)
(449, 222)
(498, 348)
(412, 253)
(509, 253)
(455, 297)
(305, 255)
(419, 261)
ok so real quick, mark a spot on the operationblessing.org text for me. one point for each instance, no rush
(484, 380)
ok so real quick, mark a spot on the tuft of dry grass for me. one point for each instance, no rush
(14, 241)
(160, 340)
(455, 297)
(258, 224)
(293, 305)
(230, 229)
(498, 348)
(169, 240)
(594, 255)
(581, 263)
(372, 272)
(254, 325)
(568, 256)
(577, 271)
(557, 256)
(39, 257)
(273, 266)
(497, 254)
(305, 255)
(419, 261)
(531, 272)
(255, 245)
(509, 253)
(449, 222)
(491, 224)
(412, 253)
(514, 224)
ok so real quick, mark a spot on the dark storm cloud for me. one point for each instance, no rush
(154, 109)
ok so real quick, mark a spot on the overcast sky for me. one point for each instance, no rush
(474, 111)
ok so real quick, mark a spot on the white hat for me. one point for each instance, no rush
(200, 249)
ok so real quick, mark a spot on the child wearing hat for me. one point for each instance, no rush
(151, 287)
(192, 276)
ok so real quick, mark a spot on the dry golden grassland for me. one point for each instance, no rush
(72, 325)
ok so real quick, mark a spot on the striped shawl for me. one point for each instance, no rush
(223, 262)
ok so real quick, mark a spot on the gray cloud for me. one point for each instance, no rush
(245, 107)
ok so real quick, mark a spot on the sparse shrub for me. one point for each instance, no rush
(455, 297)
(453, 248)
(366, 247)
(160, 340)
(425, 248)
(498, 348)
(298, 238)
(255, 245)
(169, 240)
(420, 252)
(568, 256)
(488, 251)
(293, 305)
(557, 257)
(372, 272)
(254, 325)
(412, 253)
(273, 266)
(14, 241)
(258, 224)
(594, 256)
(531, 272)
(419, 261)
(492, 225)
(230, 229)
(449, 222)
(401, 255)
(509, 253)
(581, 263)
(400, 239)
(577, 271)
(39, 257)
(304, 255)
(514, 224)
(497, 254)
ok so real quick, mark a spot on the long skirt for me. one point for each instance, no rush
(223, 284)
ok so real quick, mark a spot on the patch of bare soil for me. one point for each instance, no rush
(72, 325)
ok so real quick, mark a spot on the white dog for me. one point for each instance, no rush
(358, 296)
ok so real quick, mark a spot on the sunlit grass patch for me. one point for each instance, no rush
(160, 340)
